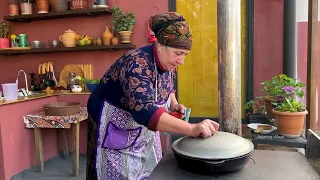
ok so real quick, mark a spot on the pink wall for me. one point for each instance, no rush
(18, 142)
(268, 40)
(51, 29)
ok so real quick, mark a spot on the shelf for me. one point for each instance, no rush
(56, 15)
(67, 49)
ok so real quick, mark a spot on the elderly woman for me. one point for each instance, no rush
(133, 102)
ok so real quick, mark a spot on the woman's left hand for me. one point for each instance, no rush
(178, 107)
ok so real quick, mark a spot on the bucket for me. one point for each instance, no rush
(10, 91)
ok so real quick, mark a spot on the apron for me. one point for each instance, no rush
(126, 150)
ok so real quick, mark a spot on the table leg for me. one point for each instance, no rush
(39, 148)
(75, 149)
(64, 142)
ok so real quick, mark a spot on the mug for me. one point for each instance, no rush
(23, 42)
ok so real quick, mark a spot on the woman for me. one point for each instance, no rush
(132, 104)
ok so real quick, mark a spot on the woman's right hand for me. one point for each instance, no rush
(204, 128)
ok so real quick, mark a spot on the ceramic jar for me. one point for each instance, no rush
(68, 38)
(106, 36)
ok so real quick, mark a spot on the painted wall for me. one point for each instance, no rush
(268, 40)
(15, 137)
(302, 39)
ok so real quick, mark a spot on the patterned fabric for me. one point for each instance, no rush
(40, 120)
(130, 85)
(136, 159)
(172, 30)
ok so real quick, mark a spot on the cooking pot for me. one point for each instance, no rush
(220, 153)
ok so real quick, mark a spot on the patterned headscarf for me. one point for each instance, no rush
(172, 30)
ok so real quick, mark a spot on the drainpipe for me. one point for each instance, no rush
(289, 39)
(229, 65)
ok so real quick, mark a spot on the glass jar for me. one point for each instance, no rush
(72, 80)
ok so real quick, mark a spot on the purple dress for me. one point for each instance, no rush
(127, 105)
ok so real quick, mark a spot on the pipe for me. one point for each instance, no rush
(229, 65)
(289, 39)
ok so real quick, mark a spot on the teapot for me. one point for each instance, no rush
(68, 38)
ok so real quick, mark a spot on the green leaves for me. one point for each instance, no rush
(286, 91)
(122, 21)
(89, 81)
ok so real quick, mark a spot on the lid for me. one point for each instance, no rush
(69, 31)
(221, 145)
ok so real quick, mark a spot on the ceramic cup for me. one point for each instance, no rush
(23, 40)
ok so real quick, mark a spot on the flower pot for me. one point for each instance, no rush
(125, 37)
(43, 6)
(26, 8)
(13, 9)
(59, 5)
(269, 106)
(289, 124)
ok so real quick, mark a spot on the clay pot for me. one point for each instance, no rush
(289, 124)
(13, 9)
(26, 8)
(43, 6)
(99, 41)
(269, 106)
(125, 37)
(59, 5)
(79, 4)
(68, 38)
(114, 41)
(107, 36)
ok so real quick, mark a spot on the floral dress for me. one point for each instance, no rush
(126, 107)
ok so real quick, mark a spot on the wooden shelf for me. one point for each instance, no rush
(67, 49)
(59, 15)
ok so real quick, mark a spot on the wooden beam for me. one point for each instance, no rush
(311, 64)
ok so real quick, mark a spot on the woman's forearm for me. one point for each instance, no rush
(168, 123)
(173, 99)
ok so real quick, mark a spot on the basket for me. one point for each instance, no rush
(61, 108)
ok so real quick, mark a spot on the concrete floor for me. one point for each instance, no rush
(55, 169)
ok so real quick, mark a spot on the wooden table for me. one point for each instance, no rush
(39, 121)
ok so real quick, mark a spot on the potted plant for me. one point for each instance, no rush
(13, 6)
(90, 83)
(272, 90)
(5, 31)
(290, 111)
(123, 24)
(26, 6)
(256, 110)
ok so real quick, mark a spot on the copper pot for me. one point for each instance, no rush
(43, 6)
(13, 9)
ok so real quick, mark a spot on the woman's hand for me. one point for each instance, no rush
(205, 128)
(178, 107)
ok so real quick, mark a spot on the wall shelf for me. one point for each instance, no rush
(59, 15)
(67, 49)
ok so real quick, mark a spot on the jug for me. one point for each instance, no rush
(23, 40)
(10, 91)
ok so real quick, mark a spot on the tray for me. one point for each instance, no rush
(61, 108)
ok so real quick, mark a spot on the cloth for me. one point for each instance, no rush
(172, 30)
(130, 84)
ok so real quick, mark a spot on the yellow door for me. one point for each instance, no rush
(198, 77)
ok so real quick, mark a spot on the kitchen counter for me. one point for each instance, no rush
(39, 96)
(264, 165)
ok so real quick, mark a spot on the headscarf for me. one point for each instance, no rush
(172, 30)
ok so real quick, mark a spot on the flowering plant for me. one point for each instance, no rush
(256, 106)
(286, 91)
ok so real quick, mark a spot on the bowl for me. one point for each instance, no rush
(54, 43)
(37, 44)
(91, 87)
